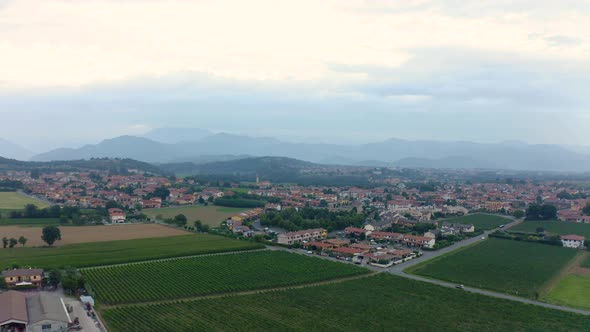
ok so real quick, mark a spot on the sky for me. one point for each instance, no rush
(78, 71)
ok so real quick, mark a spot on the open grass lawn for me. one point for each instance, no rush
(555, 227)
(514, 267)
(480, 221)
(14, 200)
(189, 277)
(85, 234)
(210, 215)
(378, 303)
(572, 291)
(114, 252)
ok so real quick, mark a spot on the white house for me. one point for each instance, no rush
(573, 241)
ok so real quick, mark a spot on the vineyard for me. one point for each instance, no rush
(187, 277)
(377, 303)
(116, 252)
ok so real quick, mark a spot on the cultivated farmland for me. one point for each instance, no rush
(554, 227)
(210, 215)
(377, 303)
(85, 234)
(189, 277)
(572, 291)
(114, 252)
(16, 201)
(480, 221)
(514, 267)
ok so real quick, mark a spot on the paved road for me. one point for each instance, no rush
(398, 271)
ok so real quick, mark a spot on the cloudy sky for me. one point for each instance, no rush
(78, 71)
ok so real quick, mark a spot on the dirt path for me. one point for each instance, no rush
(242, 293)
(571, 266)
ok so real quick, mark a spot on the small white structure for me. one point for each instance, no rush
(87, 299)
(573, 241)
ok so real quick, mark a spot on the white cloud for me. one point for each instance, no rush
(71, 43)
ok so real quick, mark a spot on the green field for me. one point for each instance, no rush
(29, 222)
(572, 291)
(481, 221)
(114, 252)
(514, 267)
(189, 277)
(378, 303)
(555, 227)
(15, 201)
(586, 262)
(210, 215)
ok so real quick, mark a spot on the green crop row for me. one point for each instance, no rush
(196, 276)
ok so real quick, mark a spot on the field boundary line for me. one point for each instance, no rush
(174, 258)
(244, 293)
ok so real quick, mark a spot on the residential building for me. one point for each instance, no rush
(573, 241)
(304, 235)
(23, 278)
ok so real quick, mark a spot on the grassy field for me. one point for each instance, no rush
(586, 262)
(210, 215)
(104, 253)
(514, 267)
(85, 234)
(14, 200)
(189, 277)
(555, 227)
(480, 221)
(572, 291)
(378, 303)
(29, 222)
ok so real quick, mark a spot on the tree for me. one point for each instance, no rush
(4, 242)
(586, 209)
(162, 192)
(22, 240)
(180, 219)
(518, 214)
(54, 277)
(51, 234)
(12, 242)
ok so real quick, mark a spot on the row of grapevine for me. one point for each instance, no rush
(196, 276)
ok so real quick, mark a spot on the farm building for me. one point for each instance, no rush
(41, 312)
(573, 241)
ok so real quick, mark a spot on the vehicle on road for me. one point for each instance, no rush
(460, 286)
(309, 252)
(501, 226)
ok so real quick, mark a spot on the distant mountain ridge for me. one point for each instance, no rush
(392, 152)
(14, 151)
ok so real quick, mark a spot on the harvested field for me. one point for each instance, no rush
(84, 234)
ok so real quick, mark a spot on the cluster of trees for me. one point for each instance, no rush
(10, 243)
(245, 200)
(66, 214)
(586, 209)
(10, 185)
(565, 195)
(541, 212)
(306, 218)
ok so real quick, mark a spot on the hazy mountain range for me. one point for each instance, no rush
(178, 145)
(11, 150)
